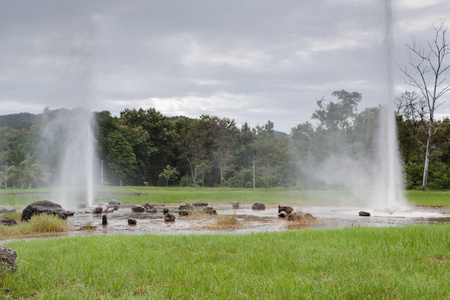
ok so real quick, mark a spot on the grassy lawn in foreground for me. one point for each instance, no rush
(355, 263)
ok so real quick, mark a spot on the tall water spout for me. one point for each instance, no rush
(391, 183)
(74, 181)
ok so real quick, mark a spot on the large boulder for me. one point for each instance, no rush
(44, 207)
(8, 259)
(258, 206)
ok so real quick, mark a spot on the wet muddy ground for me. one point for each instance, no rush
(248, 220)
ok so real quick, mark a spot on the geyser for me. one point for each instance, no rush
(391, 183)
(70, 132)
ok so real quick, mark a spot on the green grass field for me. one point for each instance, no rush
(355, 263)
(169, 195)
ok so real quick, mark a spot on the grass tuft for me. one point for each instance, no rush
(38, 224)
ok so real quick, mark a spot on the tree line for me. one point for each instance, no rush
(144, 147)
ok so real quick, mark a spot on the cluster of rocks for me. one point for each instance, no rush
(147, 208)
(109, 207)
(287, 212)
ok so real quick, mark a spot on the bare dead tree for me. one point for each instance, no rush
(427, 70)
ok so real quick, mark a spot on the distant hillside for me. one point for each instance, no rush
(17, 120)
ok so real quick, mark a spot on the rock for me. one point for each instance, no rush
(235, 205)
(81, 206)
(138, 208)
(8, 221)
(132, 222)
(364, 214)
(44, 207)
(151, 211)
(148, 206)
(113, 202)
(282, 214)
(184, 212)
(200, 203)
(300, 217)
(105, 207)
(169, 218)
(285, 208)
(4, 210)
(110, 209)
(115, 206)
(104, 220)
(8, 259)
(165, 211)
(97, 210)
(210, 210)
(185, 207)
(258, 206)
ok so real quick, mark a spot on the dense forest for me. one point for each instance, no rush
(144, 147)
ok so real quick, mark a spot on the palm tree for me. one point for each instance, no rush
(20, 165)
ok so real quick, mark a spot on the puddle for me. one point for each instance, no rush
(327, 217)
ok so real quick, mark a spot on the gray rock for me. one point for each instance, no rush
(258, 206)
(184, 212)
(97, 210)
(169, 218)
(8, 221)
(235, 205)
(115, 206)
(148, 205)
(8, 259)
(113, 202)
(4, 210)
(138, 208)
(200, 203)
(44, 207)
(183, 207)
(151, 211)
(165, 211)
(210, 210)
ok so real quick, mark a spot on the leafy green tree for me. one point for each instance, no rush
(169, 174)
(120, 159)
(154, 153)
(194, 142)
(270, 154)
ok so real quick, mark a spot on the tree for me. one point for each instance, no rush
(426, 71)
(194, 142)
(120, 158)
(169, 174)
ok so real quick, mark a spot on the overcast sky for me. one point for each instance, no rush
(249, 60)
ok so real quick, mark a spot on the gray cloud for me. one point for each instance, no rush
(248, 60)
